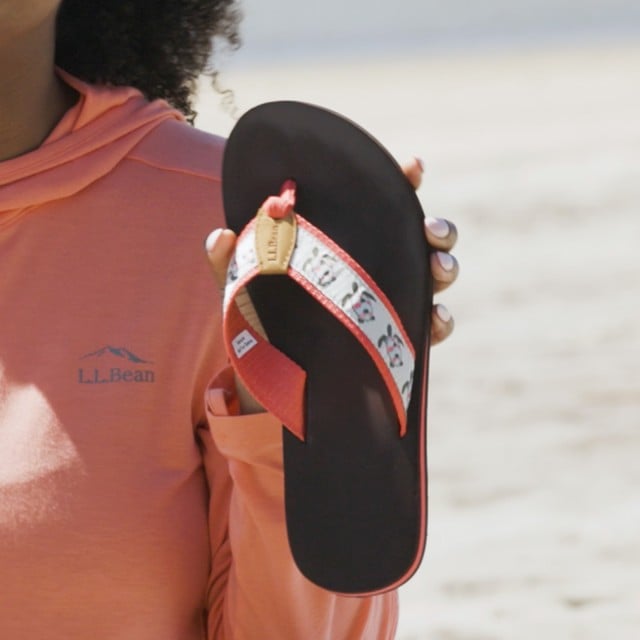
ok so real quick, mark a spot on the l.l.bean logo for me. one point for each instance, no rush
(115, 365)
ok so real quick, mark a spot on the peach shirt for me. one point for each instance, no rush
(132, 505)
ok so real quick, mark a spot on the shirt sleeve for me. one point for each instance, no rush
(255, 589)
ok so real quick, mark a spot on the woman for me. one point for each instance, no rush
(130, 508)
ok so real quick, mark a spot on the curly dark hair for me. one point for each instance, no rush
(157, 46)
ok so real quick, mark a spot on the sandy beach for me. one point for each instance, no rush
(534, 418)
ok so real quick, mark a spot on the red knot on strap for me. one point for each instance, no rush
(282, 205)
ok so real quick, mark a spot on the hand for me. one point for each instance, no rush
(441, 235)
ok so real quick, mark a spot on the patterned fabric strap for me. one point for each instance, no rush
(346, 291)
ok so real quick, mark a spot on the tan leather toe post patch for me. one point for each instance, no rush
(275, 242)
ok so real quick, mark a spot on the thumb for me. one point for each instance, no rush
(220, 245)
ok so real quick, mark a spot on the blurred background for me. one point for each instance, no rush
(286, 28)
(526, 115)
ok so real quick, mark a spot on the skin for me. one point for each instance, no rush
(33, 100)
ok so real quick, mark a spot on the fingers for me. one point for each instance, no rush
(444, 269)
(414, 169)
(220, 245)
(441, 234)
(441, 324)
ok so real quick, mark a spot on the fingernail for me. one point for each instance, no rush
(446, 260)
(420, 163)
(443, 313)
(211, 240)
(438, 227)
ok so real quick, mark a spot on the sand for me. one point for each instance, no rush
(534, 418)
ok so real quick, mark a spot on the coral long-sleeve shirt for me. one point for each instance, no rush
(132, 506)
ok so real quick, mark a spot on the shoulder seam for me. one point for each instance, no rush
(162, 167)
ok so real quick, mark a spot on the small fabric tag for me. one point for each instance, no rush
(243, 343)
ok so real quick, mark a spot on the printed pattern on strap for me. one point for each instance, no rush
(349, 293)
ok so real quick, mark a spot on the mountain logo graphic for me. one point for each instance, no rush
(107, 370)
(120, 352)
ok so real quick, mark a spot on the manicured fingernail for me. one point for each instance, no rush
(446, 260)
(443, 313)
(212, 239)
(420, 163)
(438, 227)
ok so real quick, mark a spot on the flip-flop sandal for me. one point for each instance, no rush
(337, 268)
